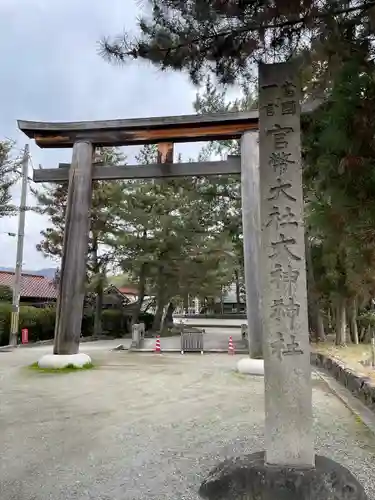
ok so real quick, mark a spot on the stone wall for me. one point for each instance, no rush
(360, 386)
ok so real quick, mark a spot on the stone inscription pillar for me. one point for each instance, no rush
(288, 405)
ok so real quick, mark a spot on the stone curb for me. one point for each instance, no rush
(361, 387)
(213, 325)
(83, 340)
(362, 413)
(206, 351)
(6, 348)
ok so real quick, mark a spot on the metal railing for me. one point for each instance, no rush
(191, 341)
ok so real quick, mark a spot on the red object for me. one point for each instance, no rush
(230, 346)
(25, 335)
(157, 345)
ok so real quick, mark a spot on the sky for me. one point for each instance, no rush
(51, 71)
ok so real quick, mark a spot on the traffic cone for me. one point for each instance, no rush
(157, 345)
(230, 346)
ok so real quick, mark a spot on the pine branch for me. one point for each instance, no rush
(120, 50)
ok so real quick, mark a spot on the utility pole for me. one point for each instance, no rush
(19, 258)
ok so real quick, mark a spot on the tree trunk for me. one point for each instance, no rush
(362, 334)
(160, 304)
(141, 294)
(367, 335)
(168, 320)
(238, 291)
(330, 319)
(186, 304)
(353, 322)
(161, 301)
(341, 323)
(320, 330)
(98, 327)
(221, 301)
(98, 287)
(315, 318)
(326, 320)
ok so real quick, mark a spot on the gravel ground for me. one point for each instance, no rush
(143, 426)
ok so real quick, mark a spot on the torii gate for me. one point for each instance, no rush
(274, 247)
(83, 137)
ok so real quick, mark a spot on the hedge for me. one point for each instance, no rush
(41, 322)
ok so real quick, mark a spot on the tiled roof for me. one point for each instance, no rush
(32, 285)
(127, 290)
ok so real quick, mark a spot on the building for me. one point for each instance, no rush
(229, 304)
(117, 297)
(125, 298)
(35, 289)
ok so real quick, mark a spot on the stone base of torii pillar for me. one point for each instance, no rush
(60, 361)
(251, 366)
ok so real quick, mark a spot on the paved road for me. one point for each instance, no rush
(144, 426)
(215, 337)
(222, 323)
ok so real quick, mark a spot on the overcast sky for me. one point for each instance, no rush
(50, 71)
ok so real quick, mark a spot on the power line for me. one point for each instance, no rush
(9, 233)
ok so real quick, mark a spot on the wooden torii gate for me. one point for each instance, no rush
(83, 137)
(273, 228)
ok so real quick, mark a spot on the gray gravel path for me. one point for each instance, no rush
(144, 426)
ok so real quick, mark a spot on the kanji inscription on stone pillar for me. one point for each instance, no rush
(289, 439)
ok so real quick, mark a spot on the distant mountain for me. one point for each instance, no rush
(48, 272)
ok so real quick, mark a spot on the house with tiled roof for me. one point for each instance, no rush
(34, 288)
(119, 296)
(124, 297)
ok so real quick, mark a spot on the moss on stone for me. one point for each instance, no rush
(66, 369)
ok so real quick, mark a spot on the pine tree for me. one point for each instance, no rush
(8, 177)
(225, 190)
(106, 195)
(339, 155)
(169, 239)
(227, 37)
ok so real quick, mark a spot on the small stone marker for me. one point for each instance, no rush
(138, 335)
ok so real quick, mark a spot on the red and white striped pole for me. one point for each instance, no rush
(157, 345)
(230, 346)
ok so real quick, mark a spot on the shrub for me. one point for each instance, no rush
(87, 327)
(114, 322)
(41, 322)
(117, 323)
(6, 294)
(147, 319)
(5, 313)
